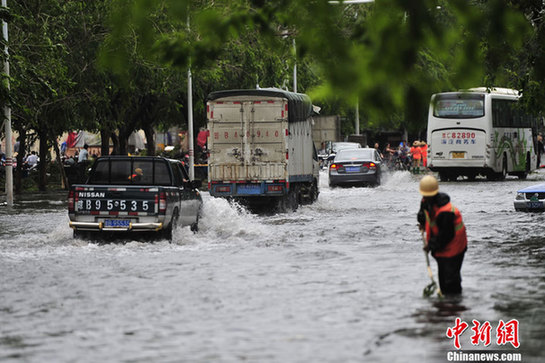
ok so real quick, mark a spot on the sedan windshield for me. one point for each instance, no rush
(355, 154)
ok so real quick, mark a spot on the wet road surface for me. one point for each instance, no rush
(337, 281)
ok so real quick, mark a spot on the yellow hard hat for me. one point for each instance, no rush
(139, 171)
(429, 186)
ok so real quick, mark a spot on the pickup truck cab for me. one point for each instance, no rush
(134, 194)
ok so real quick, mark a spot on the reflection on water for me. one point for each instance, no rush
(337, 281)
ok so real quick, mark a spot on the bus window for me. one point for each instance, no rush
(459, 106)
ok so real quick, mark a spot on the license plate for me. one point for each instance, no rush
(117, 223)
(458, 155)
(249, 189)
(115, 205)
(352, 169)
(534, 205)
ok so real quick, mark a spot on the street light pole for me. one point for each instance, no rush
(348, 2)
(294, 67)
(190, 115)
(7, 119)
(357, 126)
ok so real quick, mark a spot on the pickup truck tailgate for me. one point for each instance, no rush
(113, 200)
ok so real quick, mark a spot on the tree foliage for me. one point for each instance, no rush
(118, 65)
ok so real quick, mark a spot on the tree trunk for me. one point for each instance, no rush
(150, 140)
(105, 142)
(115, 142)
(20, 156)
(42, 166)
(64, 180)
(123, 142)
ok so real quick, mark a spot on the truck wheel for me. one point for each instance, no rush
(168, 232)
(289, 202)
(314, 192)
(195, 226)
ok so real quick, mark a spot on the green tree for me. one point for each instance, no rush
(391, 55)
(41, 86)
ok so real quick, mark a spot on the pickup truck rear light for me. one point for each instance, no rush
(71, 201)
(162, 202)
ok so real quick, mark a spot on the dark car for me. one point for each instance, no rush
(356, 167)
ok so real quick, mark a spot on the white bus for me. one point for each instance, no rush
(480, 131)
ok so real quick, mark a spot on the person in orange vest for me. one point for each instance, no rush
(424, 151)
(417, 156)
(446, 236)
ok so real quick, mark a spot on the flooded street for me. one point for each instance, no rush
(337, 281)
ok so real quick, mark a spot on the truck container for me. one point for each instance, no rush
(261, 149)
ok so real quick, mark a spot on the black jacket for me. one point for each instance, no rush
(444, 220)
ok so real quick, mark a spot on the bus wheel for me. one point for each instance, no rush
(526, 171)
(503, 173)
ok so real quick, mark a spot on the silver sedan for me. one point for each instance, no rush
(356, 167)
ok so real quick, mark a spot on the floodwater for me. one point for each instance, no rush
(337, 281)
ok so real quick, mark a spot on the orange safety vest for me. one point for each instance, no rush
(459, 242)
(417, 153)
(424, 151)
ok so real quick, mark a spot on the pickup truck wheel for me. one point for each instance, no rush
(168, 232)
(195, 226)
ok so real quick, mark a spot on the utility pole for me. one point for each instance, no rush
(348, 2)
(190, 114)
(294, 66)
(357, 126)
(7, 119)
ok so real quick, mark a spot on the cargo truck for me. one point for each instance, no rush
(261, 149)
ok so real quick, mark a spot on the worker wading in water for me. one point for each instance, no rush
(416, 153)
(445, 234)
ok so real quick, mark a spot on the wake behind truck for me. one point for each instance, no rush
(261, 148)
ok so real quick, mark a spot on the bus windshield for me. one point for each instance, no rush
(459, 106)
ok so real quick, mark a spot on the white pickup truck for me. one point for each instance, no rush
(134, 195)
(261, 148)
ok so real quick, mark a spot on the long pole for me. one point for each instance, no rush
(357, 126)
(348, 2)
(190, 116)
(7, 119)
(294, 67)
(190, 125)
